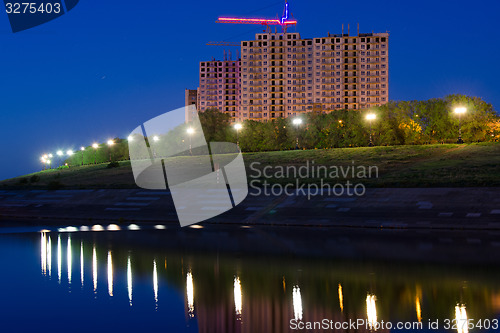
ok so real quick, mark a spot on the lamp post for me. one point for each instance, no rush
(459, 111)
(190, 132)
(156, 138)
(238, 127)
(69, 153)
(371, 117)
(43, 159)
(60, 154)
(297, 122)
(95, 146)
(110, 145)
(82, 149)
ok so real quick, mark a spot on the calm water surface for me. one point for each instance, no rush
(68, 280)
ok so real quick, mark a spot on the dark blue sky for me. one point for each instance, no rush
(107, 66)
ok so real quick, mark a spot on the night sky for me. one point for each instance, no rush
(107, 66)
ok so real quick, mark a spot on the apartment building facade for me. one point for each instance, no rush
(220, 86)
(283, 75)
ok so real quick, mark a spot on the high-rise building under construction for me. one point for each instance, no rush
(282, 75)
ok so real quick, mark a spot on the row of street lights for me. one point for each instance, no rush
(46, 159)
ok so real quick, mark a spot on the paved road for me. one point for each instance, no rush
(420, 208)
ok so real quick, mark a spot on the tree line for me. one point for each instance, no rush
(397, 123)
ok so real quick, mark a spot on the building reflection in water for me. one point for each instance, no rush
(461, 319)
(94, 268)
(371, 311)
(69, 259)
(237, 297)
(110, 274)
(190, 294)
(297, 303)
(155, 283)
(129, 280)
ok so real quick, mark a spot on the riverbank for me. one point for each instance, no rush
(416, 208)
(469, 165)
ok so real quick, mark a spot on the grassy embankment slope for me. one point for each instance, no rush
(471, 165)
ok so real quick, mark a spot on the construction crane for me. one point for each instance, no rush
(285, 21)
(223, 44)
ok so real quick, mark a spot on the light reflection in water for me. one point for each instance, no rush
(94, 268)
(59, 258)
(113, 227)
(371, 311)
(461, 319)
(110, 274)
(81, 263)
(237, 297)
(297, 303)
(341, 298)
(419, 310)
(155, 282)
(129, 280)
(43, 252)
(97, 227)
(69, 259)
(49, 256)
(190, 294)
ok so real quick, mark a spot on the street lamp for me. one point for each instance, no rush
(459, 111)
(95, 146)
(297, 122)
(371, 117)
(69, 153)
(190, 131)
(238, 127)
(110, 144)
(60, 154)
(43, 159)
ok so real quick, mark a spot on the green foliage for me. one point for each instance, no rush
(397, 123)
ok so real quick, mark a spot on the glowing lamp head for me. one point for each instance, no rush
(190, 130)
(238, 126)
(69, 152)
(130, 138)
(82, 148)
(95, 145)
(460, 110)
(60, 153)
(48, 161)
(371, 116)
(50, 155)
(111, 142)
(45, 156)
(156, 138)
(297, 121)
